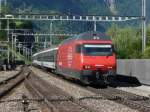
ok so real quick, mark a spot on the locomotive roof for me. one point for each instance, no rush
(91, 35)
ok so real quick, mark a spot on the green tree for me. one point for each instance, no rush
(24, 24)
(127, 41)
(146, 53)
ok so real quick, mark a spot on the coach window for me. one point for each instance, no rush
(41, 57)
(38, 57)
(55, 52)
(35, 57)
(46, 56)
(52, 56)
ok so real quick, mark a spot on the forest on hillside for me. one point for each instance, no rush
(126, 36)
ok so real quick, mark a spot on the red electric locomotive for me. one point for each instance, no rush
(89, 57)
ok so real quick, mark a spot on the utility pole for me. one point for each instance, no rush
(5, 2)
(15, 41)
(8, 40)
(0, 13)
(45, 43)
(0, 6)
(12, 44)
(31, 52)
(23, 51)
(95, 27)
(19, 47)
(50, 31)
(143, 25)
(26, 53)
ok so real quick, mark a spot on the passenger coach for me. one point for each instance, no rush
(46, 58)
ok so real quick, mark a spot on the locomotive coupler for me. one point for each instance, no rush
(102, 77)
(105, 78)
(97, 75)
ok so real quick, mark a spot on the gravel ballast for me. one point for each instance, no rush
(7, 74)
(101, 105)
(140, 90)
(17, 106)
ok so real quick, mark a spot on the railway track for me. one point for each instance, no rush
(55, 99)
(140, 103)
(8, 84)
(4, 81)
(133, 101)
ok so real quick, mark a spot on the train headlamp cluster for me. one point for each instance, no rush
(93, 67)
(110, 67)
(88, 67)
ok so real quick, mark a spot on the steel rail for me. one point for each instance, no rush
(73, 100)
(132, 103)
(45, 99)
(11, 83)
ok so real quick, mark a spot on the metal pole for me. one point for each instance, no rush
(5, 3)
(95, 27)
(12, 46)
(31, 53)
(143, 25)
(51, 26)
(15, 48)
(23, 50)
(0, 6)
(0, 13)
(45, 43)
(19, 48)
(26, 53)
(8, 41)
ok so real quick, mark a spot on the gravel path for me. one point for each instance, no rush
(15, 106)
(79, 92)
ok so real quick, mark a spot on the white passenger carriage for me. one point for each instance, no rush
(46, 58)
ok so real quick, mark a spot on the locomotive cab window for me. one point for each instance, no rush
(98, 49)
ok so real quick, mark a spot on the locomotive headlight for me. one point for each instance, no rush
(88, 67)
(85, 67)
(110, 67)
